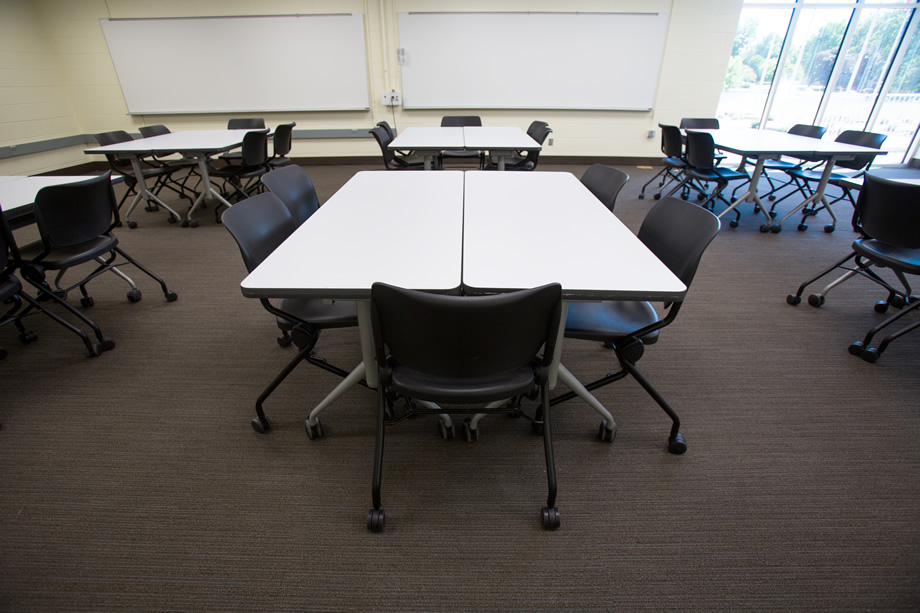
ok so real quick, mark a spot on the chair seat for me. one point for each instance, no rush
(885, 254)
(412, 161)
(674, 162)
(610, 320)
(815, 175)
(473, 390)
(716, 174)
(9, 287)
(339, 314)
(73, 255)
(780, 165)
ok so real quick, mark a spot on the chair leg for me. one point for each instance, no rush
(376, 517)
(170, 296)
(550, 513)
(862, 349)
(93, 349)
(661, 172)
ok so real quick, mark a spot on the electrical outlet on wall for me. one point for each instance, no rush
(391, 98)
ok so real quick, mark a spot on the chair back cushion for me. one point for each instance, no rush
(244, 123)
(281, 140)
(464, 336)
(605, 182)
(804, 129)
(863, 139)
(678, 232)
(383, 139)
(458, 121)
(889, 211)
(255, 148)
(155, 130)
(701, 150)
(700, 123)
(74, 213)
(259, 224)
(294, 188)
(671, 142)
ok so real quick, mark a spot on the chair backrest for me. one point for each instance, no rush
(10, 253)
(464, 336)
(386, 126)
(672, 143)
(863, 139)
(292, 185)
(258, 225)
(678, 233)
(804, 129)
(701, 150)
(889, 211)
(154, 130)
(383, 139)
(700, 123)
(112, 138)
(255, 148)
(281, 141)
(73, 213)
(534, 128)
(458, 121)
(246, 123)
(605, 182)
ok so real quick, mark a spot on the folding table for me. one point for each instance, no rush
(431, 141)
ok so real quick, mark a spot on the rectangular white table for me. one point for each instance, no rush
(766, 144)
(476, 232)
(17, 193)
(198, 144)
(501, 142)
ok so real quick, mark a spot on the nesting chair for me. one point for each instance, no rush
(191, 164)
(75, 221)
(463, 351)
(292, 185)
(673, 165)
(281, 145)
(259, 224)
(461, 121)
(524, 160)
(887, 215)
(391, 159)
(605, 182)
(678, 233)
(241, 180)
(803, 177)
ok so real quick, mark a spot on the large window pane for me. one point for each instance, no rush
(900, 111)
(808, 66)
(754, 57)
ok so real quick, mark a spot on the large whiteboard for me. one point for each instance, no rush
(240, 64)
(531, 60)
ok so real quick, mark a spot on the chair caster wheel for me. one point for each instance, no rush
(771, 197)
(793, 299)
(870, 355)
(94, 350)
(898, 302)
(447, 432)
(551, 519)
(260, 426)
(314, 432)
(537, 427)
(134, 295)
(27, 337)
(107, 344)
(881, 306)
(172, 219)
(776, 228)
(764, 228)
(658, 197)
(193, 223)
(816, 300)
(606, 434)
(132, 224)
(376, 520)
(171, 296)
(857, 348)
(284, 341)
(733, 223)
(829, 228)
(184, 223)
(151, 208)
(676, 444)
(471, 433)
(87, 301)
(685, 196)
(803, 227)
(641, 196)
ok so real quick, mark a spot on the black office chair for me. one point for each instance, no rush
(460, 121)
(294, 188)
(241, 123)
(281, 145)
(701, 167)
(463, 351)
(258, 225)
(887, 216)
(672, 146)
(784, 165)
(391, 159)
(75, 221)
(605, 182)
(11, 294)
(241, 180)
(703, 123)
(802, 177)
(678, 233)
(524, 160)
(165, 159)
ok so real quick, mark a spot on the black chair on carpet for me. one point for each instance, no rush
(75, 221)
(673, 165)
(463, 351)
(259, 225)
(464, 155)
(701, 167)
(190, 164)
(678, 233)
(281, 145)
(703, 123)
(524, 160)
(294, 188)
(241, 180)
(605, 182)
(391, 159)
(241, 123)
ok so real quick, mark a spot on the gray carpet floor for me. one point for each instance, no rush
(134, 482)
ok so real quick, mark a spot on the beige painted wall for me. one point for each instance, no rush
(58, 79)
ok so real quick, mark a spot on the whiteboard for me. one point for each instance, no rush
(240, 64)
(607, 61)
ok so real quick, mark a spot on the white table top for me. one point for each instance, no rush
(17, 192)
(421, 138)
(527, 229)
(189, 141)
(767, 142)
(395, 227)
(487, 137)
